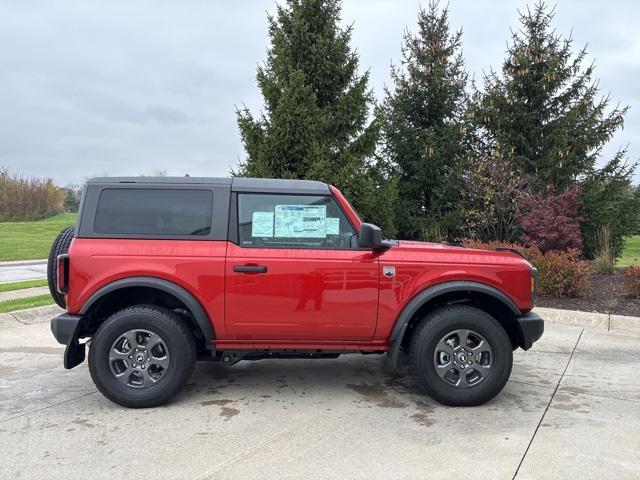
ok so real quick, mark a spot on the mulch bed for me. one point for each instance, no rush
(605, 295)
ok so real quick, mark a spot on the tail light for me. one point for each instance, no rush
(62, 279)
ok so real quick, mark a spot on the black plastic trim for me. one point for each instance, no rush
(531, 327)
(512, 250)
(63, 327)
(423, 297)
(179, 292)
(66, 329)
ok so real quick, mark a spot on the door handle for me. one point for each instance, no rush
(250, 268)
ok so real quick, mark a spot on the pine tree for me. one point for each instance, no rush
(317, 108)
(545, 110)
(545, 115)
(423, 133)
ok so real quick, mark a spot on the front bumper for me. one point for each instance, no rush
(66, 329)
(531, 327)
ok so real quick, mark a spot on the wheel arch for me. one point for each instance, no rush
(135, 290)
(483, 296)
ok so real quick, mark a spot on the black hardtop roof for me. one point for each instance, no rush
(238, 184)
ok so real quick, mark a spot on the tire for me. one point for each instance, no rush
(60, 245)
(438, 342)
(112, 368)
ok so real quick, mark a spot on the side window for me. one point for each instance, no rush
(303, 221)
(157, 212)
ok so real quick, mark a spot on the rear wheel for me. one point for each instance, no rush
(60, 245)
(142, 356)
(461, 354)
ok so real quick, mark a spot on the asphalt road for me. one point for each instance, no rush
(570, 410)
(22, 270)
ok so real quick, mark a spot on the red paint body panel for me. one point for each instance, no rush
(422, 265)
(346, 206)
(308, 298)
(306, 294)
(197, 266)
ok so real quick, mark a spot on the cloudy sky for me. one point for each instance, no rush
(129, 87)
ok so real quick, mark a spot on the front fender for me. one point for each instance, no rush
(407, 313)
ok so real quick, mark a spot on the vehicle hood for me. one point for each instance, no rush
(430, 252)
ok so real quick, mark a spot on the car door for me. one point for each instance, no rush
(296, 272)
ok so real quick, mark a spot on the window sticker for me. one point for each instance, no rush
(300, 221)
(333, 226)
(262, 224)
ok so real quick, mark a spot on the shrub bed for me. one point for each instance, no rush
(631, 281)
(560, 274)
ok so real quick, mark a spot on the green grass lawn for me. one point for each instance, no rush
(22, 303)
(631, 252)
(8, 287)
(31, 240)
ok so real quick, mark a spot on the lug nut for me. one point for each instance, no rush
(143, 367)
(134, 365)
(130, 356)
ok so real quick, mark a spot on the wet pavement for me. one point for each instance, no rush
(571, 409)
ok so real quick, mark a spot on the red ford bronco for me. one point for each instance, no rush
(161, 272)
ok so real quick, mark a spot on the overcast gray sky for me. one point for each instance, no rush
(129, 87)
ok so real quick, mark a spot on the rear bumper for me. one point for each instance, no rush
(66, 329)
(531, 327)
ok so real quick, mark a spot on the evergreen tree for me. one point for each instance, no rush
(545, 115)
(545, 111)
(423, 133)
(317, 107)
(609, 200)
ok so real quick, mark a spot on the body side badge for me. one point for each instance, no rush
(388, 271)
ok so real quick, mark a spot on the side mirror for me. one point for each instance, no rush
(370, 237)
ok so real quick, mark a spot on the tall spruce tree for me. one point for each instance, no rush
(544, 113)
(317, 107)
(423, 133)
(545, 110)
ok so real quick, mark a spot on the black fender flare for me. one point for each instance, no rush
(199, 314)
(410, 309)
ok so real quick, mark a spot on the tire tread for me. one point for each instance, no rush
(60, 245)
(162, 396)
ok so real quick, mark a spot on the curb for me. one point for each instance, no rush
(22, 263)
(600, 321)
(30, 316)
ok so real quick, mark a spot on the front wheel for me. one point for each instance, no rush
(461, 354)
(142, 356)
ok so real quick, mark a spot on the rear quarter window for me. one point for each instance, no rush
(157, 212)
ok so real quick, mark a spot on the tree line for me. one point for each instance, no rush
(517, 157)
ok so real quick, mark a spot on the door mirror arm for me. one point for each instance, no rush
(371, 237)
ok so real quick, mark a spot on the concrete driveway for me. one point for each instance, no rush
(570, 410)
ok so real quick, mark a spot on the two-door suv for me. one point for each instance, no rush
(161, 272)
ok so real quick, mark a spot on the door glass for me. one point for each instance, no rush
(286, 221)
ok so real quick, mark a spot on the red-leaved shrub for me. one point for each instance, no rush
(550, 221)
(631, 281)
(560, 274)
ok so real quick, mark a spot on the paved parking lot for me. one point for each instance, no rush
(570, 410)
